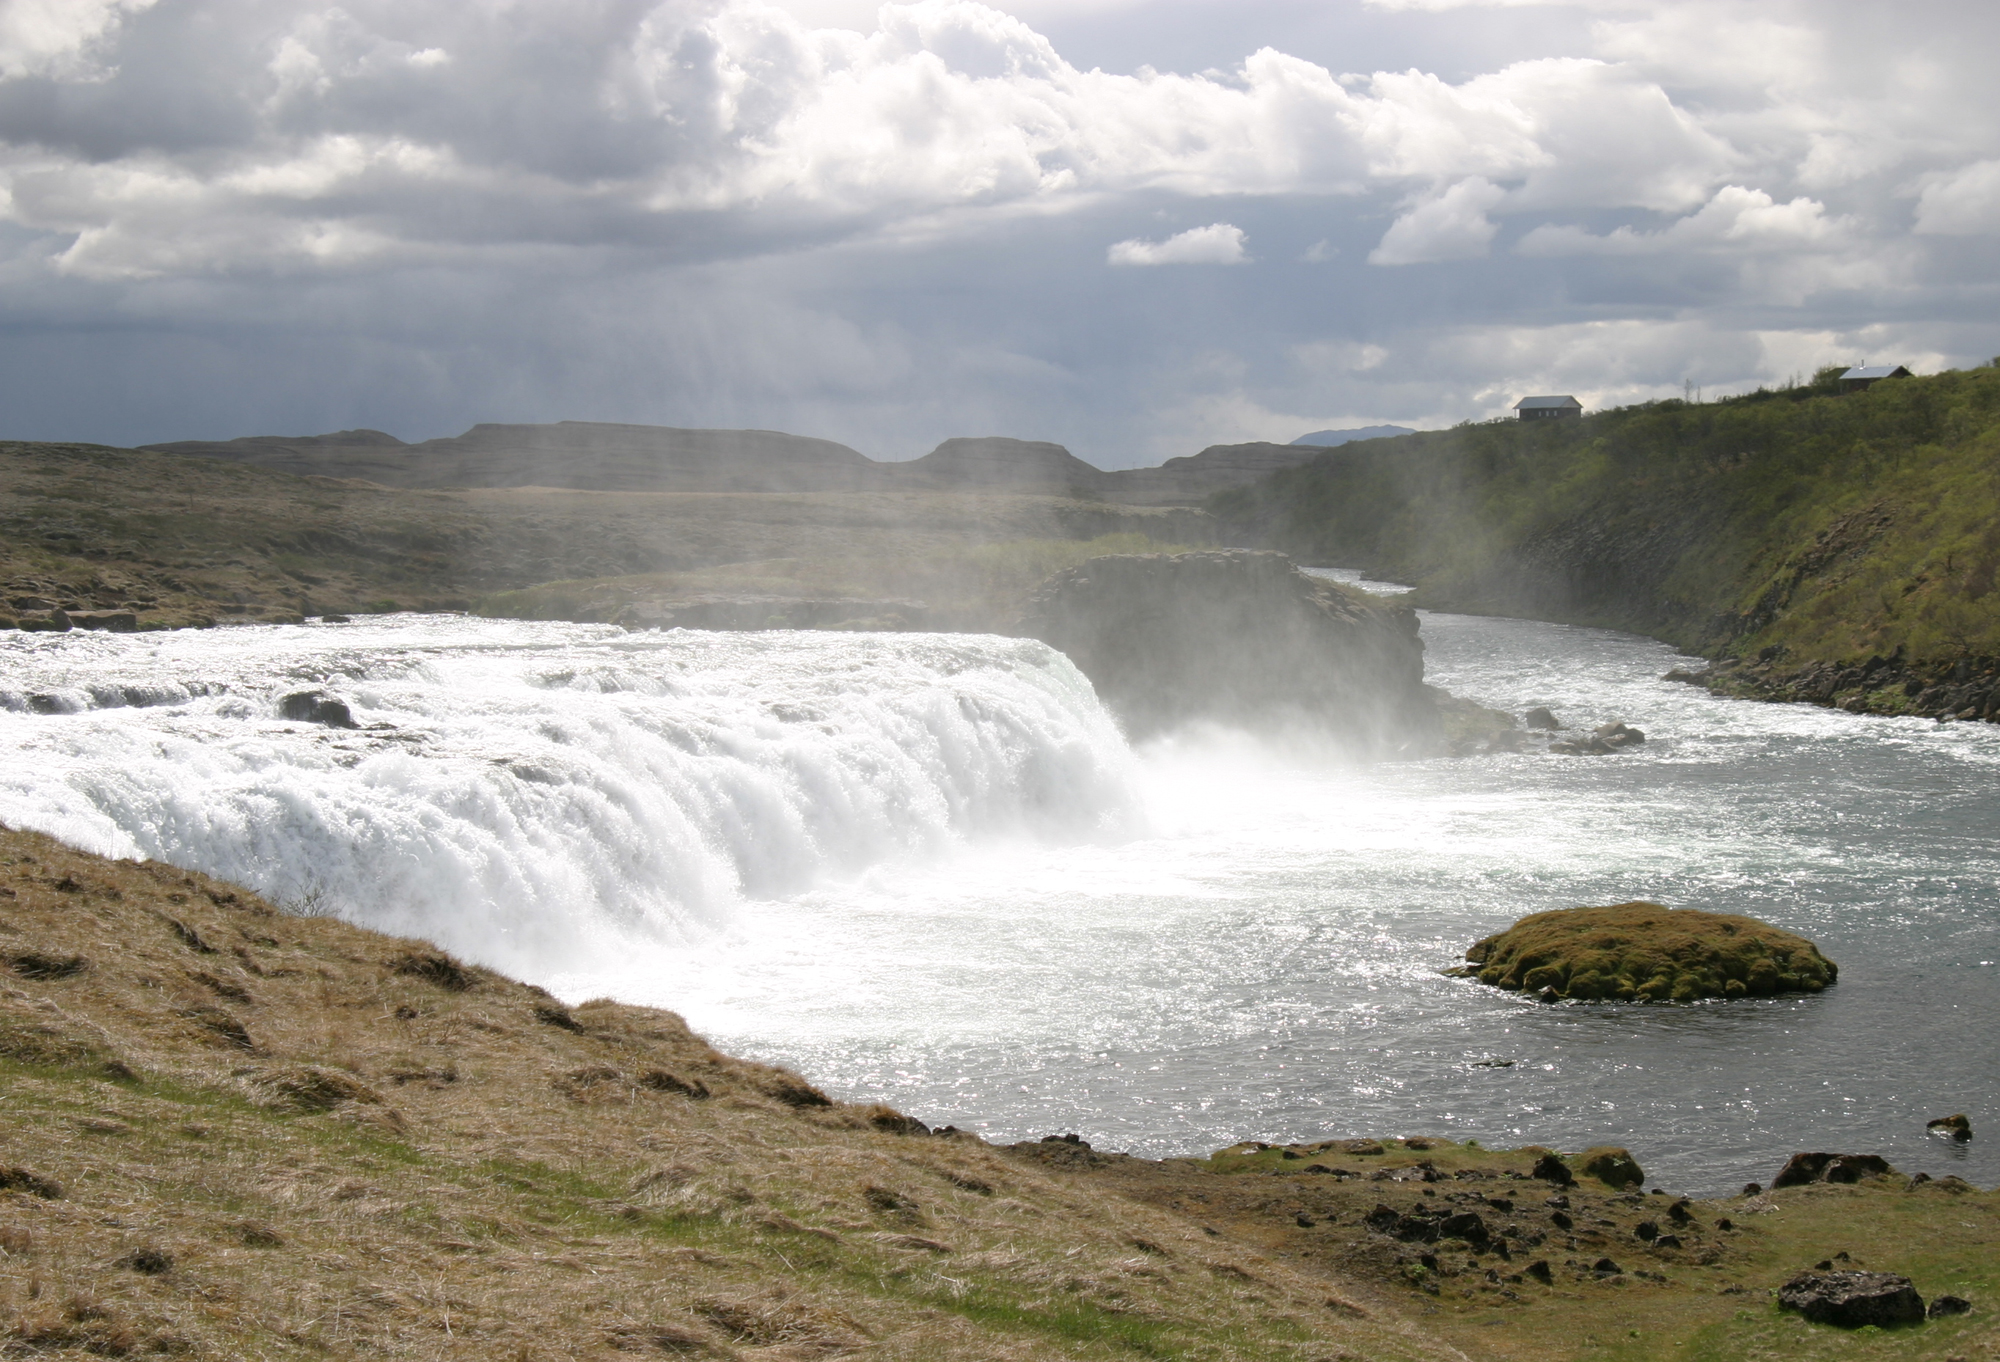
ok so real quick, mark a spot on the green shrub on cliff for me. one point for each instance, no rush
(1832, 526)
(1646, 952)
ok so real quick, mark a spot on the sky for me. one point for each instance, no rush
(1134, 227)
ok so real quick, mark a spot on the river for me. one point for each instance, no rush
(926, 870)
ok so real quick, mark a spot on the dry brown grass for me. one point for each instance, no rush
(232, 1133)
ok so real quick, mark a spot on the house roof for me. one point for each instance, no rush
(1539, 403)
(1876, 371)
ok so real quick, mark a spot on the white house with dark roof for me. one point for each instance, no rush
(1864, 376)
(1548, 408)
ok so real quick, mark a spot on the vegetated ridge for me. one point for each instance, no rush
(169, 540)
(231, 1131)
(1841, 549)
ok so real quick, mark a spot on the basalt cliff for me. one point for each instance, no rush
(1242, 638)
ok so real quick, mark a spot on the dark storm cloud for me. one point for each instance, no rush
(233, 215)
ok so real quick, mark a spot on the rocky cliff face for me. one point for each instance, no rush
(1243, 638)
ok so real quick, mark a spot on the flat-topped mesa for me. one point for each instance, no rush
(1242, 638)
(996, 463)
(578, 455)
(1646, 952)
(610, 457)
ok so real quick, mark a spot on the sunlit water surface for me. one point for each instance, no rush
(926, 871)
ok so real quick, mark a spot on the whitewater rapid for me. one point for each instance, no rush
(547, 798)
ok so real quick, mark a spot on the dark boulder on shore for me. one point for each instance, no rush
(1243, 638)
(1853, 1299)
(1646, 952)
(1802, 1169)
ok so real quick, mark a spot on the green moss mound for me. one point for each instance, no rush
(1646, 952)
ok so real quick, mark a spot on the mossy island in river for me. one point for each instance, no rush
(1647, 952)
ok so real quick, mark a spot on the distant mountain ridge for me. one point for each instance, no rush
(1333, 439)
(602, 456)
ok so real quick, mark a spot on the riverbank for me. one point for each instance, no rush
(232, 1131)
(1795, 537)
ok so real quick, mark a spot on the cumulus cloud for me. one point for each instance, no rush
(1451, 225)
(1963, 203)
(387, 128)
(59, 37)
(1216, 244)
(1736, 219)
(710, 212)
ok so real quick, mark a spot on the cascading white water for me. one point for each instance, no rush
(541, 797)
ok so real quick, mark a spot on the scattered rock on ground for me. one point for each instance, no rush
(1646, 952)
(1942, 1306)
(1853, 1299)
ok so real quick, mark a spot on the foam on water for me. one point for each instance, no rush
(547, 797)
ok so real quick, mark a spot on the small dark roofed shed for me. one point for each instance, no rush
(1863, 376)
(1542, 408)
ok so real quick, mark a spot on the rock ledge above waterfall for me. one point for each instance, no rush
(1240, 637)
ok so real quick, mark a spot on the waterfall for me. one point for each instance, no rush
(540, 797)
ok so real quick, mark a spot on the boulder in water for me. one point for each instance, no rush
(1539, 717)
(315, 707)
(1648, 952)
(1958, 1127)
(1243, 638)
(1602, 742)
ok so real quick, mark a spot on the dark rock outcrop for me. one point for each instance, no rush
(1243, 638)
(1853, 1299)
(1611, 1165)
(1958, 1127)
(1801, 1169)
(110, 621)
(1550, 1168)
(1965, 688)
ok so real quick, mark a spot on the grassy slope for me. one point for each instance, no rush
(182, 539)
(339, 1157)
(1833, 526)
(335, 1144)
